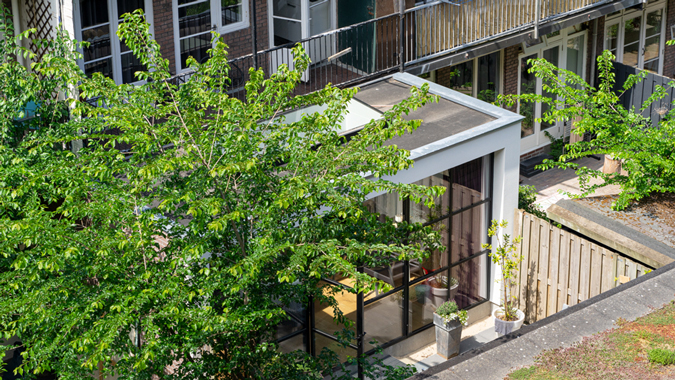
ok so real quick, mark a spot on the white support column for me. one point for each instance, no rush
(16, 20)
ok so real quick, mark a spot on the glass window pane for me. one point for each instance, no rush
(419, 212)
(296, 320)
(528, 85)
(383, 320)
(438, 258)
(99, 42)
(391, 273)
(426, 296)
(324, 313)
(467, 184)
(293, 344)
(196, 47)
(472, 278)
(343, 353)
(387, 205)
(488, 77)
(286, 31)
(462, 78)
(631, 54)
(652, 66)
(230, 11)
(652, 50)
(128, 6)
(654, 20)
(575, 55)
(469, 231)
(103, 66)
(551, 55)
(194, 19)
(612, 38)
(130, 65)
(93, 12)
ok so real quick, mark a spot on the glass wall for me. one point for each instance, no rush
(417, 287)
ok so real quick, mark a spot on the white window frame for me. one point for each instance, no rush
(304, 18)
(115, 50)
(620, 19)
(538, 139)
(216, 25)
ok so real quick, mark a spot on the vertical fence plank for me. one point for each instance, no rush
(575, 260)
(563, 268)
(596, 270)
(542, 291)
(533, 275)
(584, 270)
(631, 270)
(554, 257)
(608, 270)
(524, 248)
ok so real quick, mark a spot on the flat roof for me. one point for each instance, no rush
(439, 120)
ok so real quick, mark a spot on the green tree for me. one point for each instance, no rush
(647, 152)
(188, 219)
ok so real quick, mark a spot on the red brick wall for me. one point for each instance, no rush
(669, 57)
(240, 42)
(511, 71)
(443, 76)
(162, 13)
(535, 153)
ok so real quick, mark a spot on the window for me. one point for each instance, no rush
(195, 19)
(636, 38)
(566, 51)
(97, 24)
(478, 78)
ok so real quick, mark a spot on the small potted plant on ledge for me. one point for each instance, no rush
(439, 288)
(507, 318)
(449, 320)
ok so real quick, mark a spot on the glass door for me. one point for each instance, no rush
(651, 51)
(631, 41)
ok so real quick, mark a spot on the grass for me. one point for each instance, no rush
(641, 350)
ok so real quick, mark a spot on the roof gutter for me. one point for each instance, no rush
(492, 44)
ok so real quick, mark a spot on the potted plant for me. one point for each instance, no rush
(449, 320)
(441, 286)
(507, 318)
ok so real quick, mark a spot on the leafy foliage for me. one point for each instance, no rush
(647, 152)
(157, 230)
(449, 311)
(661, 356)
(527, 196)
(506, 257)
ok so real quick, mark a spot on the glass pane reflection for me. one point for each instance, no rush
(383, 320)
(472, 278)
(293, 344)
(528, 83)
(469, 231)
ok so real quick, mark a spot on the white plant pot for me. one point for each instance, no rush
(503, 327)
(440, 295)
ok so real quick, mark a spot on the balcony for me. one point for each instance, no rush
(398, 42)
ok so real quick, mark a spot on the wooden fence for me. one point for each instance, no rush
(638, 94)
(560, 268)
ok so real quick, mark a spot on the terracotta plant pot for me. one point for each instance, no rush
(505, 327)
(448, 337)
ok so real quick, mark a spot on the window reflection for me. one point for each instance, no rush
(472, 278)
(383, 319)
(528, 84)
(468, 233)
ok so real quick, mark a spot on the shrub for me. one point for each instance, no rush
(661, 356)
(527, 195)
(449, 311)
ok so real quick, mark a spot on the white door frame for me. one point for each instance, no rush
(626, 15)
(538, 138)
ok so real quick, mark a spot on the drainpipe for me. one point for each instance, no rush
(537, 15)
(17, 27)
(595, 46)
(401, 23)
(254, 34)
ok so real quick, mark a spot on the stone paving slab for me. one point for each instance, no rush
(497, 359)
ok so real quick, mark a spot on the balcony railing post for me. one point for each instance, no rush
(401, 43)
(254, 35)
